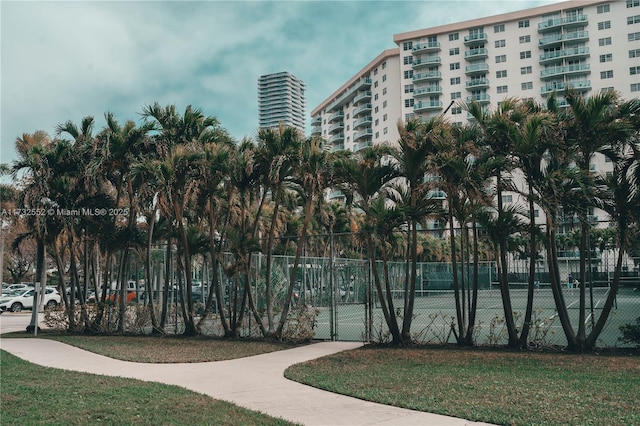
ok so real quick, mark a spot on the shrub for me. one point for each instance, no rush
(631, 333)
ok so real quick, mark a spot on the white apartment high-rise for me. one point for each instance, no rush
(590, 45)
(281, 100)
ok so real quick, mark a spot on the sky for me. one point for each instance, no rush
(63, 61)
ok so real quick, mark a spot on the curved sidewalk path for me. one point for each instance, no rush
(256, 382)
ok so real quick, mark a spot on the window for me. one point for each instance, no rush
(633, 3)
(455, 80)
(606, 74)
(408, 74)
(604, 25)
(527, 85)
(507, 198)
(407, 103)
(498, 28)
(501, 74)
(456, 95)
(376, 122)
(525, 39)
(500, 43)
(635, 53)
(501, 58)
(523, 24)
(384, 78)
(384, 104)
(409, 117)
(407, 45)
(634, 71)
(384, 91)
(605, 41)
(384, 117)
(385, 131)
(376, 109)
(607, 89)
(454, 36)
(375, 97)
(407, 60)
(526, 70)
(454, 51)
(603, 9)
(502, 89)
(606, 58)
(454, 66)
(635, 87)
(456, 110)
(384, 65)
(634, 36)
(525, 54)
(375, 72)
(375, 84)
(408, 88)
(633, 20)
(592, 167)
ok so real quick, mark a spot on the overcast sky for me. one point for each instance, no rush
(65, 60)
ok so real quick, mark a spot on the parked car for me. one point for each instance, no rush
(12, 287)
(18, 300)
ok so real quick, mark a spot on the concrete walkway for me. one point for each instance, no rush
(255, 382)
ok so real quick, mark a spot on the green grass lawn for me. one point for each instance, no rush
(486, 385)
(34, 395)
(167, 349)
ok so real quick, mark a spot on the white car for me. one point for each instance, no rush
(18, 300)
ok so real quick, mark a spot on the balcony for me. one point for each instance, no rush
(363, 96)
(316, 130)
(361, 146)
(581, 86)
(572, 37)
(477, 83)
(437, 194)
(427, 106)
(362, 134)
(427, 76)
(362, 122)
(478, 38)
(425, 62)
(362, 109)
(558, 55)
(427, 91)
(316, 121)
(431, 46)
(567, 70)
(336, 126)
(567, 22)
(476, 54)
(336, 147)
(365, 83)
(482, 98)
(481, 68)
(336, 116)
(336, 138)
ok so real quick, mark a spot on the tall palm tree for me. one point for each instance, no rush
(591, 124)
(498, 127)
(278, 159)
(364, 178)
(416, 146)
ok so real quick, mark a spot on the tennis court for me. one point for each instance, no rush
(435, 315)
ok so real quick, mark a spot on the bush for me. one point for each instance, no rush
(631, 333)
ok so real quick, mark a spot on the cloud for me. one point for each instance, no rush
(65, 60)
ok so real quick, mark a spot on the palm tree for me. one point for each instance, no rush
(364, 178)
(278, 158)
(180, 142)
(592, 123)
(417, 144)
(498, 127)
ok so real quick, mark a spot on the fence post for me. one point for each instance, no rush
(332, 298)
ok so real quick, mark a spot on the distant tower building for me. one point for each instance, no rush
(281, 100)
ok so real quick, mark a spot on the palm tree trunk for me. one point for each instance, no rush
(526, 326)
